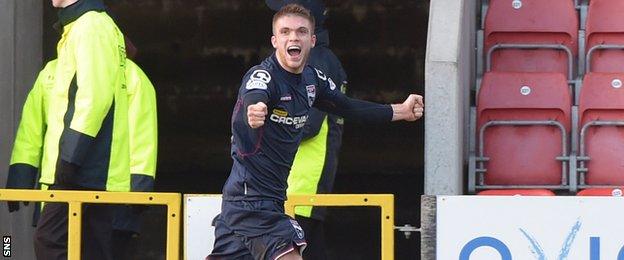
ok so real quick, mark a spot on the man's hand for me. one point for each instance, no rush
(14, 205)
(21, 176)
(256, 114)
(411, 110)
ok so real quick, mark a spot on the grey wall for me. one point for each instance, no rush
(449, 73)
(20, 61)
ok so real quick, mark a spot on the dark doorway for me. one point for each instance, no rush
(196, 52)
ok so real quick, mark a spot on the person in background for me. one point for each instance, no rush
(143, 127)
(143, 122)
(28, 146)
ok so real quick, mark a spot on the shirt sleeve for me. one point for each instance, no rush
(143, 129)
(256, 82)
(256, 87)
(332, 100)
(28, 146)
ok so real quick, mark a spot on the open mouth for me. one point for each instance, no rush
(294, 51)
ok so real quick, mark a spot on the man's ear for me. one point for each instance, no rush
(274, 41)
(313, 40)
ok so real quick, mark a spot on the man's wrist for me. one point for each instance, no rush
(398, 112)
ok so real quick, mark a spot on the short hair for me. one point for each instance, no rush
(294, 9)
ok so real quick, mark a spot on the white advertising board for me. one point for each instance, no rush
(199, 211)
(525, 228)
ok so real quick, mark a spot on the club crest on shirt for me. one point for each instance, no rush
(311, 89)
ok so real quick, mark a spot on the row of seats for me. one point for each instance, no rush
(525, 125)
(614, 192)
(550, 29)
(530, 138)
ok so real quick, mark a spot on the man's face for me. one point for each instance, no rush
(62, 3)
(292, 39)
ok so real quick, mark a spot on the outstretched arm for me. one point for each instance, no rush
(368, 112)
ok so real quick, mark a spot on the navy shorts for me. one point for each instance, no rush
(255, 230)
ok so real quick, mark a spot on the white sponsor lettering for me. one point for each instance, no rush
(261, 75)
(332, 85)
(254, 84)
(297, 121)
(320, 74)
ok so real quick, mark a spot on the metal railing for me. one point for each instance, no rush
(482, 159)
(384, 201)
(75, 199)
(599, 47)
(561, 47)
(583, 157)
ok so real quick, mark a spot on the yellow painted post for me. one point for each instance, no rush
(74, 229)
(173, 229)
(384, 201)
(387, 229)
(289, 208)
(75, 199)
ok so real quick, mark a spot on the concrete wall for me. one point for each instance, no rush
(449, 73)
(20, 61)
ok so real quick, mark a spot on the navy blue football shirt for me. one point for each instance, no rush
(263, 156)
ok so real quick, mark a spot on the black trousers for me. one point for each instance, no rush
(315, 236)
(50, 239)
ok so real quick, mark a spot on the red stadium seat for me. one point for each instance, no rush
(605, 26)
(535, 192)
(614, 192)
(534, 22)
(601, 124)
(518, 150)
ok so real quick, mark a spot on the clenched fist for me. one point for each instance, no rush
(256, 114)
(410, 110)
(418, 107)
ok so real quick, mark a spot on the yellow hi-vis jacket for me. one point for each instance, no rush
(28, 145)
(88, 110)
(143, 120)
(143, 129)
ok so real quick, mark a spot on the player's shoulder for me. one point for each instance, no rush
(258, 77)
(323, 79)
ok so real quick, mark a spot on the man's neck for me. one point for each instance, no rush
(282, 64)
(78, 8)
(68, 3)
